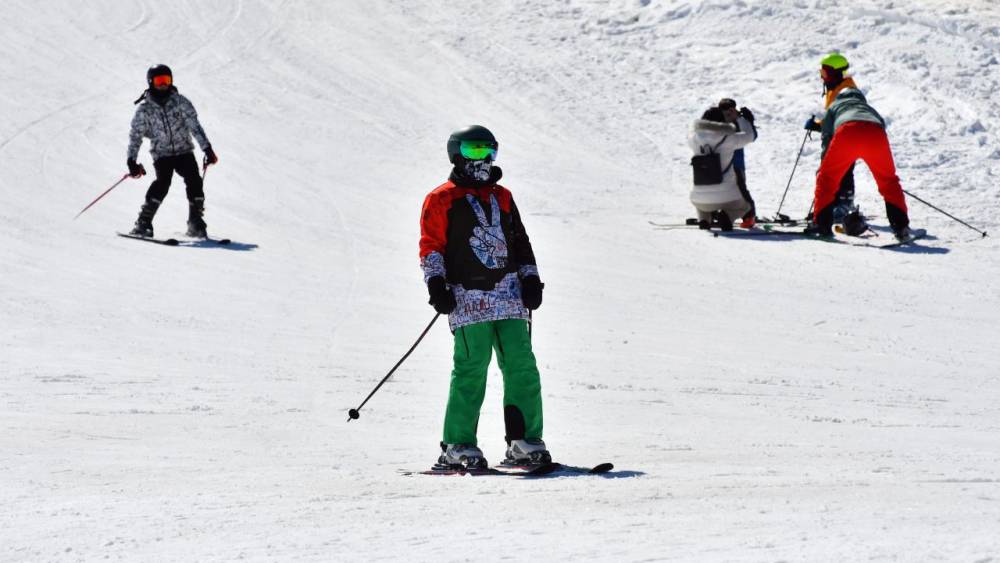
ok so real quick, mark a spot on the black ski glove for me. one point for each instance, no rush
(813, 125)
(747, 114)
(531, 292)
(210, 157)
(442, 298)
(135, 170)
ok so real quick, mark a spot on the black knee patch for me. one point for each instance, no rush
(514, 423)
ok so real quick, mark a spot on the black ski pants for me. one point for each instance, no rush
(845, 194)
(186, 166)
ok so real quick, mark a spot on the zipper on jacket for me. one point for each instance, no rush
(170, 131)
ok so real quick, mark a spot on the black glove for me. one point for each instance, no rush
(531, 292)
(747, 114)
(813, 125)
(210, 157)
(135, 170)
(442, 298)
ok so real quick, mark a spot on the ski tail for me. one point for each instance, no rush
(164, 241)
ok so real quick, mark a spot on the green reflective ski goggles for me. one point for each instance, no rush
(478, 150)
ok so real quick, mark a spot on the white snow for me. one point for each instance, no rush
(762, 400)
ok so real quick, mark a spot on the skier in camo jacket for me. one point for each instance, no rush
(168, 120)
(480, 271)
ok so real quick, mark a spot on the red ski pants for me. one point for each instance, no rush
(858, 140)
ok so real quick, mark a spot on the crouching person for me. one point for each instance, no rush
(716, 194)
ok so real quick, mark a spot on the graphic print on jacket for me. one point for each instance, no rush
(168, 127)
(482, 259)
(487, 239)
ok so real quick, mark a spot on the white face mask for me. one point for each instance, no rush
(478, 169)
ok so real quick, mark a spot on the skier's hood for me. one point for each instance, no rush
(705, 132)
(705, 125)
(850, 94)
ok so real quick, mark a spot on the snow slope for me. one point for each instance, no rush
(762, 399)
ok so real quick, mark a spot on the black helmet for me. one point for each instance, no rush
(157, 70)
(470, 133)
(855, 224)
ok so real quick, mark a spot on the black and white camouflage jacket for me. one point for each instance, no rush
(169, 127)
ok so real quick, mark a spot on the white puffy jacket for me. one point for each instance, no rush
(706, 135)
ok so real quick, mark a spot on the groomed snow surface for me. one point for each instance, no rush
(762, 399)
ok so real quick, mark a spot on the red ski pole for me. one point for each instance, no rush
(115, 185)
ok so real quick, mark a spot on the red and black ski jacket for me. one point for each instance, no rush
(472, 235)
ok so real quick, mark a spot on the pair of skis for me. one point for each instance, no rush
(173, 241)
(766, 227)
(552, 469)
(915, 234)
(693, 222)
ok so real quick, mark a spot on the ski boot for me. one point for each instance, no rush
(816, 230)
(721, 218)
(463, 456)
(196, 222)
(842, 209)
(527, 452)
(855, 224)
(903, 234)
(144, 224)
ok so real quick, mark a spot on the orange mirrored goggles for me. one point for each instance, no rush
(162, 80)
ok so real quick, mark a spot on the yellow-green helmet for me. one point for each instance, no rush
(835, 61)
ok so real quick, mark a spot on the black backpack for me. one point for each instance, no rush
(708, 167)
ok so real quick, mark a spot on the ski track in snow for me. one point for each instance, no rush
(762, 399)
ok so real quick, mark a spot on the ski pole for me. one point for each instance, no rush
(204, 167)
(113, 186)
(792, 175)
(353, 414)
(945, 212)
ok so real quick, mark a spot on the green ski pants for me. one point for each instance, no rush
(522, 390)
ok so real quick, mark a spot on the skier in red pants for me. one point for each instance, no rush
(853, 130)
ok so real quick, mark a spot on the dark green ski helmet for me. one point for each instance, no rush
(474, 142)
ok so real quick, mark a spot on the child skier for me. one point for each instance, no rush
(168, 120)
(853, 130)
(480, 271)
